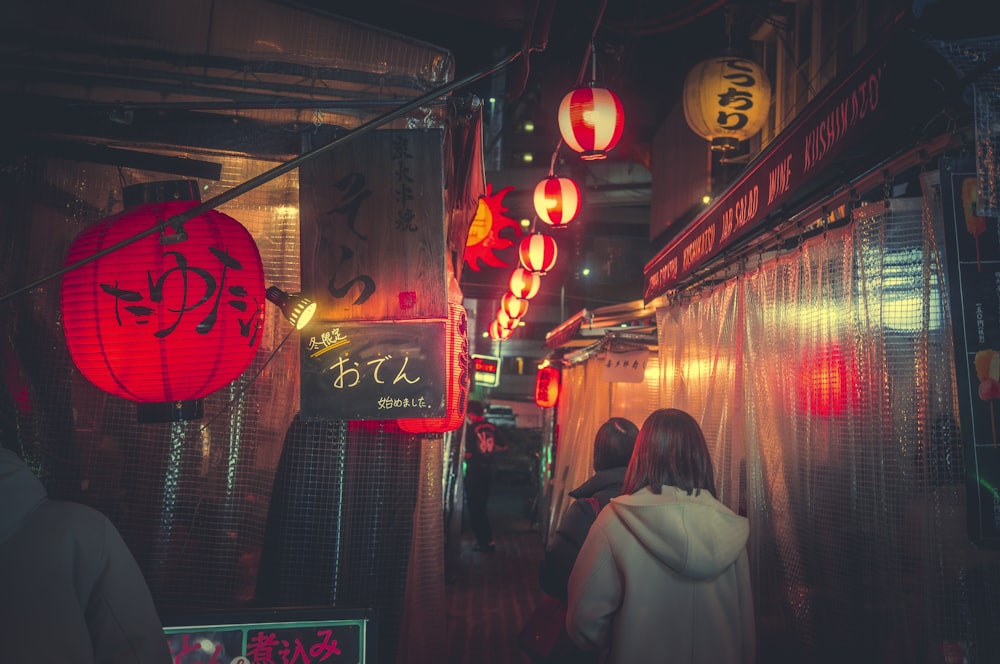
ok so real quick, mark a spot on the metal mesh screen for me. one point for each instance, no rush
(975, 60)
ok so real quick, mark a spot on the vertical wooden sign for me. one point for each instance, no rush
(373, 228)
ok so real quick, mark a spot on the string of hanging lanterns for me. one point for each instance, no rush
(591, 121)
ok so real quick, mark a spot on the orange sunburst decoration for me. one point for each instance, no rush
(484, 234)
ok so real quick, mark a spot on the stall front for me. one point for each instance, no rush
(805, 320)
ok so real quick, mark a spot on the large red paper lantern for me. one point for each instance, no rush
(591, 120)
(457, 375)
(169, 318)
(537, 253)
(557, 200)
(499, 333)
(547, 386)
(513, 306)
(524, 284)
(726, 100)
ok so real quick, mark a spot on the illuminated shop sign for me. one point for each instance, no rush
(486, 370)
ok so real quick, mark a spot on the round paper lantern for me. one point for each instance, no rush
(524, 284)
(537, 253)
(726, 100)
(547, 386)
(557, 200)
(499, 333)
(169, 318)
(457, 375)
(513, 306)
(506, 321)
(591, 120)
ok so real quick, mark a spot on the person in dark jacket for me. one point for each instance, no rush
(612, 450)
(71, 591)
(481, 442)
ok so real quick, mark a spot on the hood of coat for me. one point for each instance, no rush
(696, 536)
(20, 493)
(602, 480)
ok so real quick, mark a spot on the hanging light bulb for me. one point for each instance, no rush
(557, 200)
(524, 284)
(537, 253)
(513, 306)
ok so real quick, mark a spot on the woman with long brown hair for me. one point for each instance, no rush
(663, 574)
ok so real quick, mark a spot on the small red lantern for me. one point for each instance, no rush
(524, 284)
(547, 386)
(171, 317)
(498, 332)
(513, 306)
(457, 393)
(557, 200)
(538, 253)
(591, 120)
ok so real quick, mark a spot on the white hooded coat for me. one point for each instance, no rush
(664, 578)
(70, 590)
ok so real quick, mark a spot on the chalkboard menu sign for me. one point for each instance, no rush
(373, 370)
(275, 636)
(972, 242)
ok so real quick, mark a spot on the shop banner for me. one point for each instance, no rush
(972, 243)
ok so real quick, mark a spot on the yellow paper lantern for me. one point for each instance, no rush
(726, 100)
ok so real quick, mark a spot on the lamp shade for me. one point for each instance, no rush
(513, 306)
(457, 375)
(499, 333)
(591, 120)
(537, 253)
(557, 200)
(170, 317)
(726, 100)
(524, 284)
(547, 387)
(297, 309)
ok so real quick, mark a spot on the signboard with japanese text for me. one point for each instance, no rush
(271, 637)
(373, 371)
(373, 236)
(486, 370)
(972, 243)
(624, 367)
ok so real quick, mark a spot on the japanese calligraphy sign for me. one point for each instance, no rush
(169, 318)
(299, 642)
(373, 371)
(625, 367)
(374, 231)
(972, 243)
